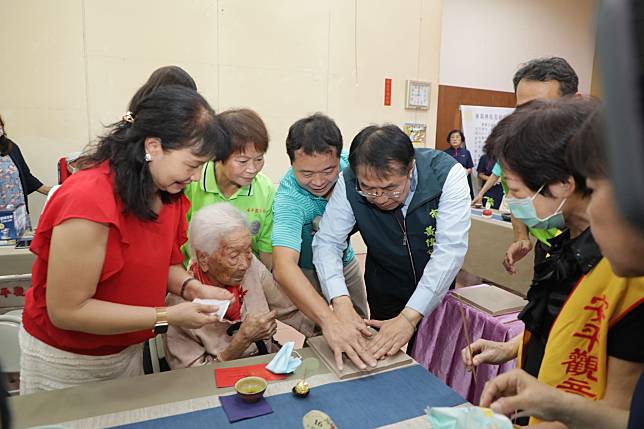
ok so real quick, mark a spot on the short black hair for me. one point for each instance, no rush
(176, 115)
(314, 134)
(456, 130)
(384, 149)
(586, 152)
(532, 141)
(163, 76)
(547, 69)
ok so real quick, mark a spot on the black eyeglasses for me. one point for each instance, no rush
(388, 194)
(392, 194)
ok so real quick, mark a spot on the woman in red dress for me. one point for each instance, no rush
(108, 247)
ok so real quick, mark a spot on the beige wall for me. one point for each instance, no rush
(70, 66)
(484, 41)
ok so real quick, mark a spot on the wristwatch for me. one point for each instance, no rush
(161, 322)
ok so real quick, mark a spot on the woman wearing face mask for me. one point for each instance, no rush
(543, 192)
(235, 178)
(108, 248)
(595, 348)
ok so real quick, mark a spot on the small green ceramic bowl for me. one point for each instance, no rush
(251, 389)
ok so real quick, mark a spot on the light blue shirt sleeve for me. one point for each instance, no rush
(496, 170)
(452, 228)
(288, 220)
(331, 240)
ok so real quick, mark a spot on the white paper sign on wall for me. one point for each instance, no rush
(478, 122)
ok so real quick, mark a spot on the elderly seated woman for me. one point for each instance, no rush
(222, 257)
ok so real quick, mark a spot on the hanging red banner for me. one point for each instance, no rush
(387, 92)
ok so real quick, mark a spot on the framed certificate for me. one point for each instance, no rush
(417, 95)
(416, 132)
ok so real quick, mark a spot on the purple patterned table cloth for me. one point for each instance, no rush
(440, 340)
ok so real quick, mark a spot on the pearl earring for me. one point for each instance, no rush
(148, 157)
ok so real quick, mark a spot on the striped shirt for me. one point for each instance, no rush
(294, 210)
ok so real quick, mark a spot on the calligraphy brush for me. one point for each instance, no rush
(466, 330)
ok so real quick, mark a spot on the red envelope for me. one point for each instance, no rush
(227, 377)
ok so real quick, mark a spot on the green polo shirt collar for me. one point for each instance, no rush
(208, 183)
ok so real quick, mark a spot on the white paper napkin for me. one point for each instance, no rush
(222, 304)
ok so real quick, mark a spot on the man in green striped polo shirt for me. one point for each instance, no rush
(314, 146)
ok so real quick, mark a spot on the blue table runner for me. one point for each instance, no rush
(367, 402)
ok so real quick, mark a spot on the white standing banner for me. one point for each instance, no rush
(478, 122)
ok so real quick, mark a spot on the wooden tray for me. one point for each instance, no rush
(323, 351)
(491, 299)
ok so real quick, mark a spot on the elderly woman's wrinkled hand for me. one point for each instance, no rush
(258, 326)
(191, 315)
